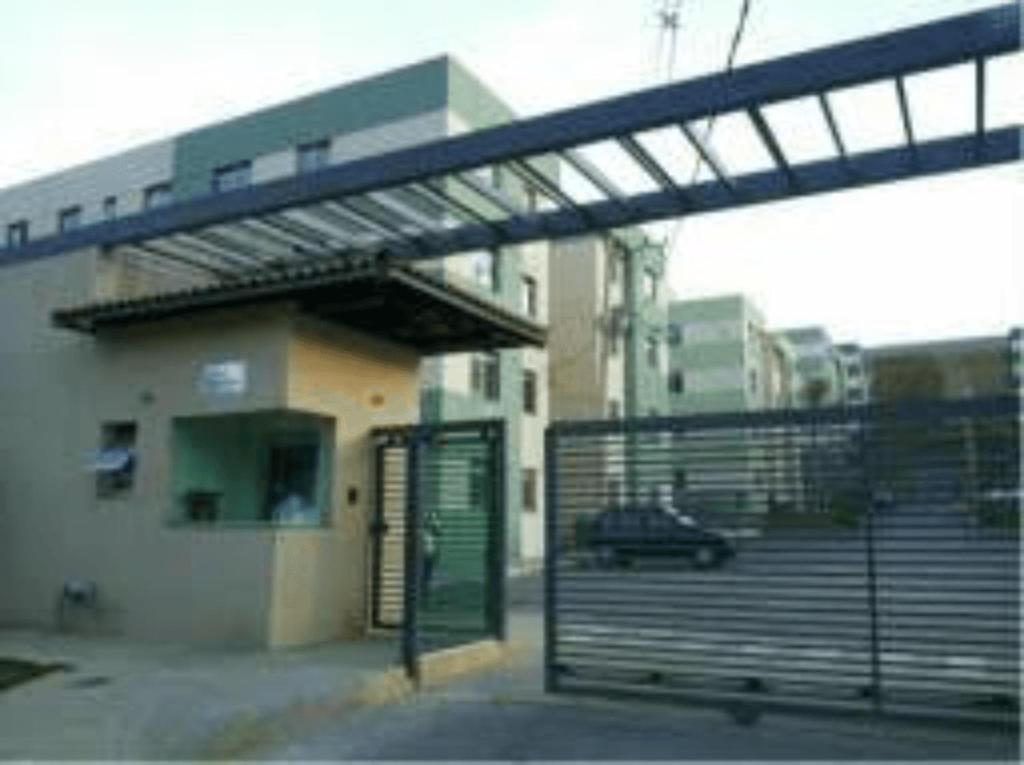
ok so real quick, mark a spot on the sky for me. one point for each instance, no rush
(912, 261)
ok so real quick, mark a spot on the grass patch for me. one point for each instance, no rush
(16, 671)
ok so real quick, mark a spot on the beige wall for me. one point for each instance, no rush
(155, 580)
(158, 579)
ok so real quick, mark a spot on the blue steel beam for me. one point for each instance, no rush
(825, 176)
(943, 43)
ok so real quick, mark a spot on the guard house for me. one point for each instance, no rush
(229, 499)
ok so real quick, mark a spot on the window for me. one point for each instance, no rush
(676, 382)
(17, 234)
(232, 177)
(530, 490)
(529, 296)
(614, 265)
(652, 352)
(69, 219)
(109, 208)
(486, 270)
(157, 196)
(532, 199)
(614, 331)
(485, 375)
(253, 468)
(115, 462)
(529, 391)
(650, 285)
(675, 334)
(311, 157)
(614, 409)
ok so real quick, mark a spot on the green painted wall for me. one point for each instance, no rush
(363, 104)
(473, 101)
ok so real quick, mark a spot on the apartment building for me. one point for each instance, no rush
(723, 358)
(48, 381)
(854, 384)
(817, 365)
(607, 341)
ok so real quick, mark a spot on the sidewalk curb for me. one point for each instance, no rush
(246, 735)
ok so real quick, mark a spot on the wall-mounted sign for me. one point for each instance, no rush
(224, 378)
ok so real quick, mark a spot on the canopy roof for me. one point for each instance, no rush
(373, 295)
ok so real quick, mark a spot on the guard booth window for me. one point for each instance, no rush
(272, 468)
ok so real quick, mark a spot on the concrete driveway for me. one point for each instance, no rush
(506, 716)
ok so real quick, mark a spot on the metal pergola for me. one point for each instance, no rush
(437, 199)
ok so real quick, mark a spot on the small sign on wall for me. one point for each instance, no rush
(224, 378)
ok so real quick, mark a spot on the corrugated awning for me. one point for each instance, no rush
(373, 295)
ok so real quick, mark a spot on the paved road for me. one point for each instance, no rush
(505, 716)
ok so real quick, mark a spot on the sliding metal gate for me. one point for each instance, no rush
(862, 558)
(439, 535)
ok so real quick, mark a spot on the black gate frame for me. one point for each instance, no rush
(417, 439)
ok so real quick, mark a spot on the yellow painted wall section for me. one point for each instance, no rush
(320, 580)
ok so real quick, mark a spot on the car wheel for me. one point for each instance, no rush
(605, 557)
(705, 556)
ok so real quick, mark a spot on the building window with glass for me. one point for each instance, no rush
(115, 463)
(253, 468)
(109, 208)
(650, 286)
(614, 332)
(675, 381)
(232, 177)
(529, 391)
(310, 157)
(17, 234)
(486, 270)
(69, 219)
(485, 375)
(529, 490)
(675, 334)
(157, 196)
(529, 296)
(615, 260)
(652, 352)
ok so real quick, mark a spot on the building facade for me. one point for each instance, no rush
(49, 378)
(607, 341)
(723, 358)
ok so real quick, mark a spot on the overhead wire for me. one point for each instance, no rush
(730, 64)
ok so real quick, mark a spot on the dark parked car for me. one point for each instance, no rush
(619, 536)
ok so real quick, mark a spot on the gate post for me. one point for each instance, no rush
(872, 582)
(413, 554)
(497, 552)
(550, 558)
